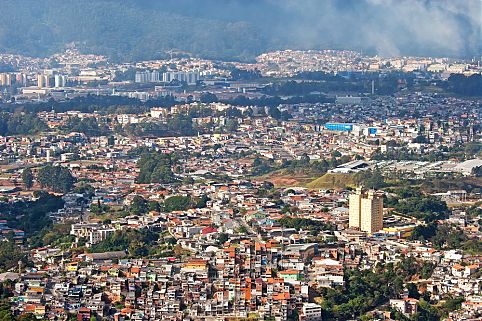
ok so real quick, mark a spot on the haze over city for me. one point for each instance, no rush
(240, 30)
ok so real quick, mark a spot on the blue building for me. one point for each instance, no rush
(343, 127)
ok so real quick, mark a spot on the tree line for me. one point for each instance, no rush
(156, 168)
(465, 85)
(20, 124)
(31, 216)
(56, 178)
(412, 202)
(368, 289)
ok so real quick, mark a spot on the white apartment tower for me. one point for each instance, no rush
(60, 81)
(366, 211)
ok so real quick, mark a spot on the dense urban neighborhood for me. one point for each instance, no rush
(305, 185)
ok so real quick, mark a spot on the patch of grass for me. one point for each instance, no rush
(282, 178)
(331, 180)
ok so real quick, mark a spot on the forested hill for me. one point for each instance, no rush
(122, 30)
(239, 29)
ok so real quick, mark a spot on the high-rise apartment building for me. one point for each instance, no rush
(366, 211)
(21, 79)
(190, 77)
(143, 77)
(60, 81)
(6, 79)
(40, 81)
(3, 79)
(155, 76)
(47, 81)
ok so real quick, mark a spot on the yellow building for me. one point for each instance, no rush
(195, 265)
(72, 266)
(5, 80)
(354, 210)
(40, 81)
(366, 211)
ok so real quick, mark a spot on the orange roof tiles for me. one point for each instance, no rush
(458, 267)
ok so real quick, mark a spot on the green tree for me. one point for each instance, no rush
(20, 124)
(472, 148)
(10, 254)
(27, 317)
(6, 312)
(208, 97)
(222, 238)
(136, 242)
(370, 179)
(365, 290)
(477, 171)
(27, 178)
(188, 180)
(243, 230)
(274, 112)
(413, 203)
(153, 206)
(155, 168)
(426, 312)
(231, 125)
(178, 203)
(31, 216)
(138, 205)
(138, 249)
(56, 178)
(88, 126)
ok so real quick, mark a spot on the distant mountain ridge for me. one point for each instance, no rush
(236, 29)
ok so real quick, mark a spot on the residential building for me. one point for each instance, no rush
(366, 211)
